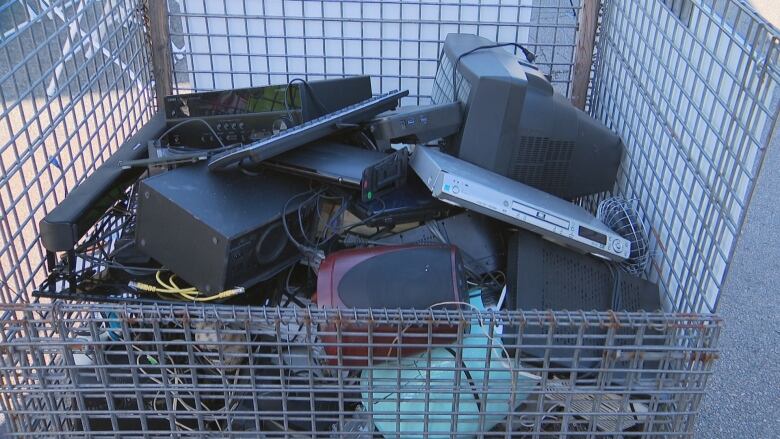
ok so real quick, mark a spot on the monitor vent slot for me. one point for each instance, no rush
(542, 162)
(571, 284)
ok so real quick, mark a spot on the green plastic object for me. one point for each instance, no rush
(405, 412)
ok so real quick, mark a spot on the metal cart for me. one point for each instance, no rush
(690, 85)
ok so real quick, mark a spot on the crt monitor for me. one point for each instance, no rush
(516, 125)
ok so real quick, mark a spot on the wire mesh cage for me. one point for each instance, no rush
(699, 84)
(691, 90)
(243, 43)
(435, 373)
(75, 83)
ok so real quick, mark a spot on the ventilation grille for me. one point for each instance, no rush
(630, 292)
(572, 282)
(542, 163)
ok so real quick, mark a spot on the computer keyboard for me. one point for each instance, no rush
(310, 131)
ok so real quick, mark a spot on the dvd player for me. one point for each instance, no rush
(466, 185)
(373, 172)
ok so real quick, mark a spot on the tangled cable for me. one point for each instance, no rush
(191, 293)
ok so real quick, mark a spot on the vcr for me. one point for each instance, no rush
(219, 230)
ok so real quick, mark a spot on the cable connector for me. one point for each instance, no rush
(190, 294)
(233, 292)
(140, 286)
(313, 258)
(352, 240)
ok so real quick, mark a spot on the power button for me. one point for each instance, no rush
(617, 245)
(456, 189)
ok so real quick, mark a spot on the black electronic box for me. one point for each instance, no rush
(249, 114)
(219, 230)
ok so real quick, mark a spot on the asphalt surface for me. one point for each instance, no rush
(743, 398)
(769, 9)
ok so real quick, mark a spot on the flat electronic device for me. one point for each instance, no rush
(463, 184)
(331, 93)
(417, 124)
(411, 203)
(230, 129)
(373, 172)
(544, 276)
(249, 114)
(228, 102)
(310, 131)
(479, 240)
(219, 230)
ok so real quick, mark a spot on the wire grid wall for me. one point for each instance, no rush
(75, 82)
(694, 94)
(115, 370)
(219, 45)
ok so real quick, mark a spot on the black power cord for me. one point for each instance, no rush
(311, 92)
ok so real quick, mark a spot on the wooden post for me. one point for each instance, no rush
(162, 59)
(583, 53)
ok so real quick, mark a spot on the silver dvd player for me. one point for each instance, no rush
(460, 183)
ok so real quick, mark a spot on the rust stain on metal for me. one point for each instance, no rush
(704, 357)
(124, 317)
(694, 321)
(550, 317)
(614, 322)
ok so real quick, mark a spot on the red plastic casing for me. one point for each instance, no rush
(393, 277)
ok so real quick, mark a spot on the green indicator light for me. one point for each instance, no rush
(370, 195)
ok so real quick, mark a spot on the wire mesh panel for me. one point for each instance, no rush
(693, 91)
(248, 43)
(74, 82)
(292, 373)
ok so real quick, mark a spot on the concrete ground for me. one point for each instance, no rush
(743, 398)
(769, 9)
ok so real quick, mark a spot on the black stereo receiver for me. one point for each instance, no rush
(219, 230)
(246, 115)
(231, 129)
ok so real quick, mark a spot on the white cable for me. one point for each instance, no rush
(501, 299)
(177, 399)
